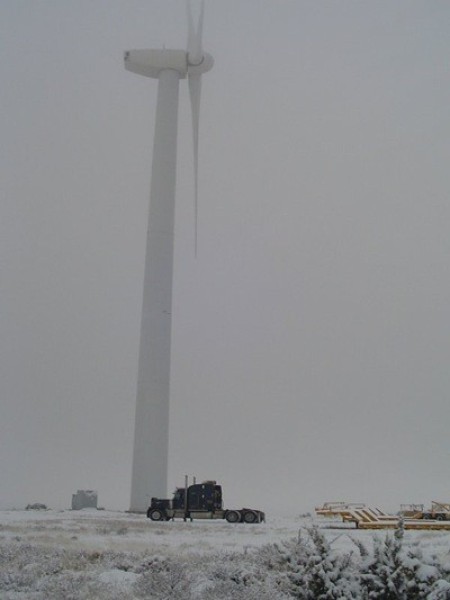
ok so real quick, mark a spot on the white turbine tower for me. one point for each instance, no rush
(150, 458)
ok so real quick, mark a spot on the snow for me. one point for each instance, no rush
(117, 577)
(106, 554)
(101, 530)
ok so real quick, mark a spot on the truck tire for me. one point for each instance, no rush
(233, 516)
(250, 517)
(157, 515)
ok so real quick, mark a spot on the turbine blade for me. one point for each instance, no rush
(195, 57)
(194, 45)
(191, 29)
(195, 88)
(199, 36)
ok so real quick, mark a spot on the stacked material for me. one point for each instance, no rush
(365, 517)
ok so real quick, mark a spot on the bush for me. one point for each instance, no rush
(393, 573)
(306, 568)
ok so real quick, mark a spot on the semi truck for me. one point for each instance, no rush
(200, 501)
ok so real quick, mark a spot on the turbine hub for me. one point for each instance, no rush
(197, 68)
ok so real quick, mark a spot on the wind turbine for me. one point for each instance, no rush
(151, 438)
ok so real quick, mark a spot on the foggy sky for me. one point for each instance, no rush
(311, 335)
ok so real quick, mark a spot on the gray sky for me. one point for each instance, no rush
(311, 338)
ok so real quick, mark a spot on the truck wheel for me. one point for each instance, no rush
(233, 516)
(156, 515)
(250, 517)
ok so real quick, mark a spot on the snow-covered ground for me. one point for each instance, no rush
(89, 553)
(93, 530)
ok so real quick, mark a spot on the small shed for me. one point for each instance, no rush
(84, 499)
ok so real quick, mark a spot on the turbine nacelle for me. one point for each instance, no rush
(150, 63)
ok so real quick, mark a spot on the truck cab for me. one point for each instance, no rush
(199, 501)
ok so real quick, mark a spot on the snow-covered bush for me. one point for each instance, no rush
(34, 573)
(165, 579)
(307, 568)
(393, 572)
(382, 573)
(239, 577)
